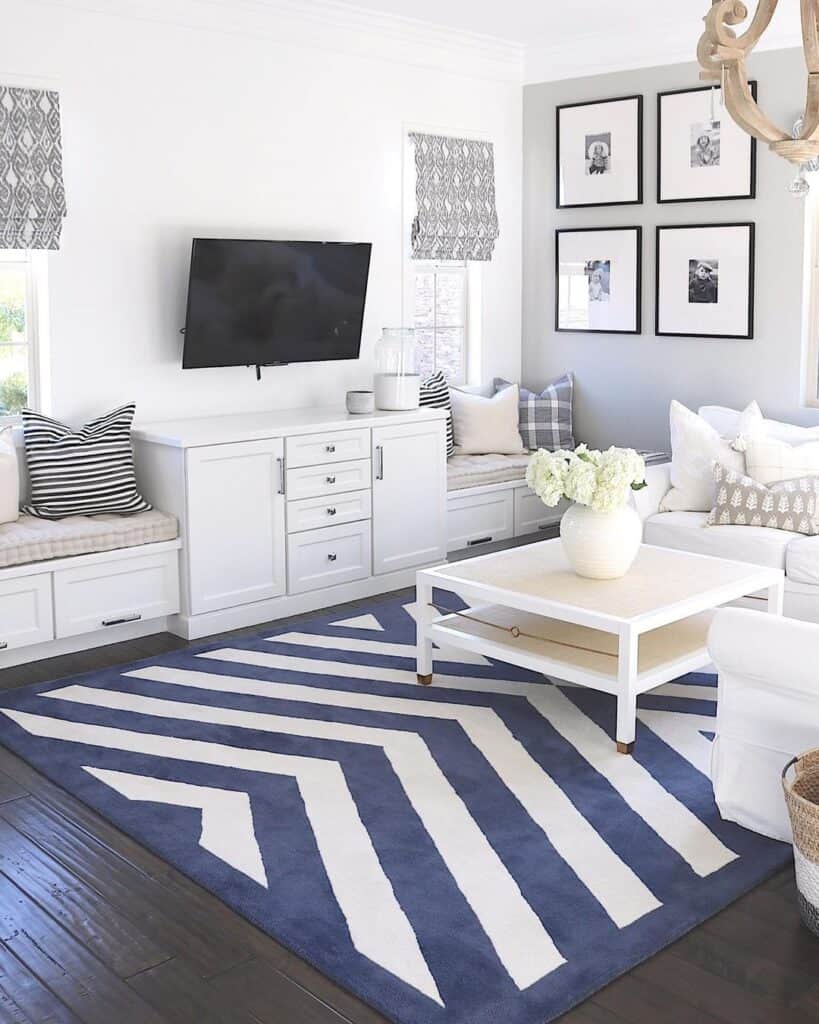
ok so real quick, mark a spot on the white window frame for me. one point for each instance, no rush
(471, 363)
(461, 267)
(35, 267)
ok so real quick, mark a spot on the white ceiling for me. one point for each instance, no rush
(565, 37)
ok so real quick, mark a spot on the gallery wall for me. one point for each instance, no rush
(184, 118)
(625, 382)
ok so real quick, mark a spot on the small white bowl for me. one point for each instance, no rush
(360, 403)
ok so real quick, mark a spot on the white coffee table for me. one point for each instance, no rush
(624, 637)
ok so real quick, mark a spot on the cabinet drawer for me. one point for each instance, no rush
(26, 615)
(319, 449)
(323, 558)
(531, 515)
(323, 481)
(313, 513)
(476, 519)
(111, 593)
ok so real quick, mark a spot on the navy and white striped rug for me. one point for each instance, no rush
(468, 853)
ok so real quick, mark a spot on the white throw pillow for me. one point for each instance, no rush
(726, 421)
(695, 447)
(9, 478)
(486, 426)
(768, 461)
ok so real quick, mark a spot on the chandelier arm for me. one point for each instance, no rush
(718, 34)
(744, 109)
(810, 34)
(810, 122)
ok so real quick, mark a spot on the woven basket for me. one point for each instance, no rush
(802, 796)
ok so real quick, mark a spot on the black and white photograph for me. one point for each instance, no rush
(705, 281)
(599, 153)
(702, 154)
(598, 280)
(598, 273)
(705, 140)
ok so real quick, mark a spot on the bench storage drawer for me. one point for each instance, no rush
(477, 519)
(108, 594)
(26, 615)
(323, 558)
(532, 516)
(323, 449)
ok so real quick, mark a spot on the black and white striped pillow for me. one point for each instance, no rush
(435, 395)
(85, 472)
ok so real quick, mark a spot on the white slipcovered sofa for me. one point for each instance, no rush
(768, 713)
(797, 555)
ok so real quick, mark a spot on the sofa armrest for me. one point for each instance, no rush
(776, 652)
(658, 480)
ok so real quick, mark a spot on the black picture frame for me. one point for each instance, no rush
(640, 154)
(638, 298)
(749, 336)
(751, 194)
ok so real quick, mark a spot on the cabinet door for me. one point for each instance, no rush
(409, 495)
(235, 524)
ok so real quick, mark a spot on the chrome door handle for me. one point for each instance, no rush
(330, 448)
(3, 645)
(331, 479)
(332, 557)
(331, 511)
(282, 476)
(123, 619)
(379, 457)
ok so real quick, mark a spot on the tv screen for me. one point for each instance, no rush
(257, 303)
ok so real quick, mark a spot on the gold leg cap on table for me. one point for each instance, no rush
(424, 680)
(624, 748)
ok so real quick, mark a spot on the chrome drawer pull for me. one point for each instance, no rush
(479, 540)
(331, 479)
(332, 558)
(331, 511)
(3, 645)
(330, 448)
(125, 618)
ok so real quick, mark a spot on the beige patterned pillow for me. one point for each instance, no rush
(741, 501)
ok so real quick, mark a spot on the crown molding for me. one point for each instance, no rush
(600, 54)
(330, 25)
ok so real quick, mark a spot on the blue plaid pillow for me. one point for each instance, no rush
(545, 419)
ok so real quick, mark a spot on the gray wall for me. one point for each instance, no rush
(625, 382)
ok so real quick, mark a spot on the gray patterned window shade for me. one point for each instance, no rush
(32, 197)
(455, 190)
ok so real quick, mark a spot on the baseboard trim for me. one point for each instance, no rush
(197, 627)
(82, 642)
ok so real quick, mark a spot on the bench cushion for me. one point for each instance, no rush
(480, 470)
(36, 540)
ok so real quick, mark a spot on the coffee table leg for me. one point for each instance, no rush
(627, 696)
(424, 615)
(776, 597)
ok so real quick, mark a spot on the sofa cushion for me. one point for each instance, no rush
(788, 505)
(9, 478)
(802, 561)
(687, 531)
(36, 540)
(726, 421)
(434, 394)
(545, 418)
(479, 470)
(485, 426)
(770, 461)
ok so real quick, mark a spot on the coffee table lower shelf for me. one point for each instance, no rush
(577, 654)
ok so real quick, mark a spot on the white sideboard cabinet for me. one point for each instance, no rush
(295, 510)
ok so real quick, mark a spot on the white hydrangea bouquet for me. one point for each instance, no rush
(600, 480)
(601, 532)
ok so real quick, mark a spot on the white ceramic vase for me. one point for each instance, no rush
(601, 545)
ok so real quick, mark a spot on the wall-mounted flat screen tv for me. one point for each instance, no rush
(263, 303)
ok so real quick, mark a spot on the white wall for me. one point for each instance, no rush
(183, 119)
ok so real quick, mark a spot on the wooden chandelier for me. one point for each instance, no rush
(722, 56)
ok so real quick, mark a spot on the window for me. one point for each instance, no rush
(19, 356)
(439, 316)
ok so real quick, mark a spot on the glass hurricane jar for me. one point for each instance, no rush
(397, 378)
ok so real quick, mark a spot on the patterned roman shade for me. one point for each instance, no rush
(32, 197)
(455, 190)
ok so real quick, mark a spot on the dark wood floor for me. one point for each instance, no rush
(95, 929)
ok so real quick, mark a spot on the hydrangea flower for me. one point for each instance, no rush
(599, 479)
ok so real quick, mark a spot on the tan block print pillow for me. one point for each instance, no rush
(741, 501)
